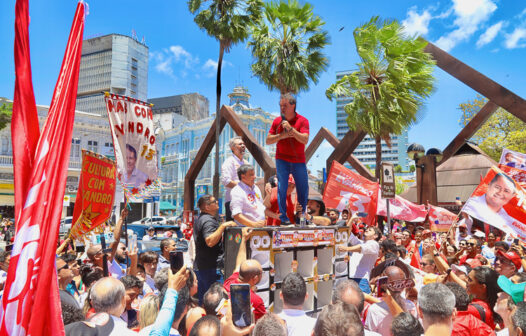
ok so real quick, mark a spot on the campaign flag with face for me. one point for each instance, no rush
(402, 209)
(517, 174)
(134, 140)
(499, 201)
(513, 159)
(346, 189)
(95, 194)
(440, 219)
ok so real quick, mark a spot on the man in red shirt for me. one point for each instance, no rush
(249, 272)
(291, 133)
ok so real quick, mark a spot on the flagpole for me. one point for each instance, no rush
(388, 216)
(126, 230)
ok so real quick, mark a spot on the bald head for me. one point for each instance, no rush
(250, 269)
(394, 273)
(107, 295)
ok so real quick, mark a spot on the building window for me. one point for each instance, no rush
(5, 145)
(93, 146)
(75, 148)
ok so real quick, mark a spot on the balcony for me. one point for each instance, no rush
(6, 160)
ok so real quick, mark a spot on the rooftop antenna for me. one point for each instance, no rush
(134, 34)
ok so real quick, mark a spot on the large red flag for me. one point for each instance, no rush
(346, 189)
(31, 303)
(24, 122)
(402, 209)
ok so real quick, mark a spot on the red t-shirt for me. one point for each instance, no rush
(257, 302)
(274, 207)
(290, 149)
(466, 324)
(488, 312)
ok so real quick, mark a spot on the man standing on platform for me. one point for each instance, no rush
(208, 235)
(229, 168)
(291, 133)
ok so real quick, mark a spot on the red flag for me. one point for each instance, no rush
(440, 219)
(346, 189)
(31, 303)
(402, 209)
(24, 122)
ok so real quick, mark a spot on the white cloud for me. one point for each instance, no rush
(210, 66)
(180, 54)
(416, 24)
(470, 14)
(517, 39)
(490, 34)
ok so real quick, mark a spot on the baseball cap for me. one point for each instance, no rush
(463, 268)
(426, 232)
(479, 234)
(511, 256)
(150, 228)
(516, 291)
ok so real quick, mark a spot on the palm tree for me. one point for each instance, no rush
(287, 46)
(228, 22)
(393, 79)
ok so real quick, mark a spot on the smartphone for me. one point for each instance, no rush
(176, 261)
(240, 302)
(380, 286)
(133, 242)
(516, 241)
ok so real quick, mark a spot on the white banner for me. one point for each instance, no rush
(133, 132)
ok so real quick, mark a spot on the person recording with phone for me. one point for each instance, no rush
(290, 133)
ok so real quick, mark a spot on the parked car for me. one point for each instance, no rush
(153, 245)
(65, 224)
(154, 220)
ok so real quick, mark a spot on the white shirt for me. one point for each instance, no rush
(379, 318)
(247, 201)
(298, 323)
(229, 173)
(116, 270)
(361, 263)
(120, 328)
(478, 207)
(136, 178)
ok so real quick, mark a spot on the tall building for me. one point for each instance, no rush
(113, 63)
(366, 150)
(192, 106)
(183, 141)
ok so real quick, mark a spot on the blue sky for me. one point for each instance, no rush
(488, 35)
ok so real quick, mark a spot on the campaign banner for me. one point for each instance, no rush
(95, 195)
(499, 201)
(134, 141)
(440, 219)
(517, 174)
(302, 238)
(402, 209)
(513, 159)
(346, 189)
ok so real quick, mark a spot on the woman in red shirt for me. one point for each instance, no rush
(482, 285)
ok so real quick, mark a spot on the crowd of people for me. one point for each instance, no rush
(408, 281)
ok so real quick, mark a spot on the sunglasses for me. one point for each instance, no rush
(425, 264)
(472, 244)
(66, 266)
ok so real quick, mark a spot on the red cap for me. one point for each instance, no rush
(511, 256)
(426, 232)
(291, 179)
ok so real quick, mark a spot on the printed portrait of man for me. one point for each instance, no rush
(132, 176)
(489, 206)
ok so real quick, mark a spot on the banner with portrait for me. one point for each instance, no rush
(402, 209)
(513, 159)
(346, 189)
(95, 195)
(134, 140)
(517, 174)
(499, 201)
(440, 219)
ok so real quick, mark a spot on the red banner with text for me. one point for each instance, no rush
(440, 219)
(402, 209)
(95, 194)
(346, 189)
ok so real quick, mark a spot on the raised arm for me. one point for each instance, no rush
(242, 252)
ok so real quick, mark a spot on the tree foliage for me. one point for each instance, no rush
(6, 110)
(501, 130)
(393, 79)
(287, 45)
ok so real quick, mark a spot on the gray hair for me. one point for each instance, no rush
(232, 141)
(343, 286)
(107, 294)
(436, 301)
(243, 169)
(289, 96)
(161, 278)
